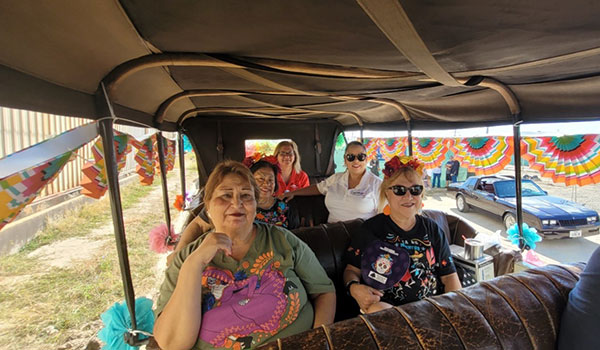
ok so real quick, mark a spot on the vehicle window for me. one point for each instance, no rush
(470, 183)
(507, 189)
(338, 153)
(261, 146)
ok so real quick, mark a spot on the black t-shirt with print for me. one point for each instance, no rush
(280, 214)
(428, 249)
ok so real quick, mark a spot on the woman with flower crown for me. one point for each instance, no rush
(270, 209)
(399, 256)
(351, 194)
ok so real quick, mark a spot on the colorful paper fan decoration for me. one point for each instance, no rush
(145, 159)
(20, 189)
(572, 160)
(372, 145)
(484, 155)
(431, 151)
(117, 322)
(386, 147)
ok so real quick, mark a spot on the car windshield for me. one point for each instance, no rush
(507, 189)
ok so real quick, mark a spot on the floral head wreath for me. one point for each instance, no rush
(257, 156)
(394, 164)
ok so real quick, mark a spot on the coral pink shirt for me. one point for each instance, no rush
(296, 182)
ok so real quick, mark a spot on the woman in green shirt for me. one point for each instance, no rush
(243, 283)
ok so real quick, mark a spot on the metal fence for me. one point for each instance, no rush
(20, 129)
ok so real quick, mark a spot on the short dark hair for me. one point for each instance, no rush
(264, 164)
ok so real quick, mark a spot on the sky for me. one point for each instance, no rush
(547, 129)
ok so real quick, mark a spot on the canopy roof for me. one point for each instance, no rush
(366, 62)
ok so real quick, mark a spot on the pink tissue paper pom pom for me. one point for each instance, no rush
(159, 241)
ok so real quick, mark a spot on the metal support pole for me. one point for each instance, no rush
(112, 176)
(518, 185)
(409, 128)
(181, 164)
(362, 140)
(163, 176)
(106, 131)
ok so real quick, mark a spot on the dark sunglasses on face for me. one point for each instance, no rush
(351, 157)
(400, 190)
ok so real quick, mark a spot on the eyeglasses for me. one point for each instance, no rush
(400, 190)
(286, 154)
(351, 157)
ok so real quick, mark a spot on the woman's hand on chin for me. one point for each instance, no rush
(209, 247)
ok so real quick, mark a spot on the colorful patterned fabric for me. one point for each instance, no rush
(572, 160)
(484, 155)
(145, 159)
(20, 189)
(94, 180)
(170, 154)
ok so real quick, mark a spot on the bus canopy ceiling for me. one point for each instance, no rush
(365, 62)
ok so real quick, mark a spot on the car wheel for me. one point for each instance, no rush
(509, 220)
(461, 204)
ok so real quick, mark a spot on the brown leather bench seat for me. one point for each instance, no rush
(517, 311)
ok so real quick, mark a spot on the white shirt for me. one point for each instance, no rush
(348, 204)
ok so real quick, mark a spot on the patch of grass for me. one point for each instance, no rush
(35, 299)
(79, 222)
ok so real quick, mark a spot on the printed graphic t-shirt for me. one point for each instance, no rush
(280, 214)
(258, 299)
(429, 256)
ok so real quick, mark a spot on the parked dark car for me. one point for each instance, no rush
(553, 217)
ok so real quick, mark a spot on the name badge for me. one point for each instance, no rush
(358, 193)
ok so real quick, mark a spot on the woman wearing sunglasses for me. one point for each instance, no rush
(399, 257)
(351, 194)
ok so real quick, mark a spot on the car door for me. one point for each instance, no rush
(480, 198)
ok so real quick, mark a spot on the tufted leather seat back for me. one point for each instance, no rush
(519, 311)
(330, 242)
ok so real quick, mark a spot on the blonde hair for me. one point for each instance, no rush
(296, 164)
(409, 173)
(223, 169)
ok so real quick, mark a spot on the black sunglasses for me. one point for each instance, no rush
(351, 157)
(400, 190)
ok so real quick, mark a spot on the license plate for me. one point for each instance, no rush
(576, 233)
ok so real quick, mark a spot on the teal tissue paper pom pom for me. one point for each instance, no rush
(530, 236)
(117, 322)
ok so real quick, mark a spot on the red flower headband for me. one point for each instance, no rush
(251, 160)
(394, 164)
